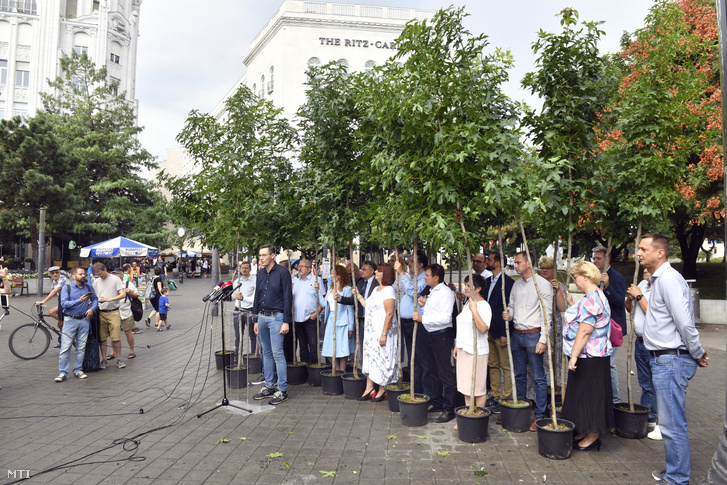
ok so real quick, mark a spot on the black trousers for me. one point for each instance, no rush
(439, 377)
(307, 337)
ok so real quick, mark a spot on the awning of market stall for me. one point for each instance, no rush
(118, 247)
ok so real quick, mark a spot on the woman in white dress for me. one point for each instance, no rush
(380, 344)
(479, 310)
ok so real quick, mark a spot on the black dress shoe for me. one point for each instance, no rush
(379, 398)
(367, 397)
(434, 409)
(445, 417)
(596, 444)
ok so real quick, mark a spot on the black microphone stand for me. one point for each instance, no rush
(225, 402)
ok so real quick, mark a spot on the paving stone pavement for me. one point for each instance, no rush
(91, 431)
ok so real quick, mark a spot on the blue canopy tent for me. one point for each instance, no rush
(119, 247)
(193, 254)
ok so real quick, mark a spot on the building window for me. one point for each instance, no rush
(370, 65)
(22, 78)
(254, 91)
(314, 61)
(262, 87)
(80, 49)
(2, 110)
(270, 83)
(21, 109)
(3, 72)
(343, 63)
(114, 58)
(19, 6)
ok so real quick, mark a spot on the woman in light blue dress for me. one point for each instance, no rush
(342, 315)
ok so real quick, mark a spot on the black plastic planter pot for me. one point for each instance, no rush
(558, 409)
(631, 424)
(414, 413)
(516, 419)
(472, 429)
(352, 387)
(314, 373)
(331, 382)
(297, 374)
(253, 363)
(236, 377)
(222, 361)
(556, 444)
(392, 393)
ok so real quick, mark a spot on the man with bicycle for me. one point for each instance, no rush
(79, 302)
(58, 281)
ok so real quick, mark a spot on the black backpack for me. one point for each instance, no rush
(137, 308)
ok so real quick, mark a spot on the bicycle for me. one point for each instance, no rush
(30, 340)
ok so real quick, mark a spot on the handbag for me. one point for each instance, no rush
(137, 308)
(92, 355)
(617, 335)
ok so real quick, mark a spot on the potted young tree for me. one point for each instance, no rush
(297, 371)
(354, 384)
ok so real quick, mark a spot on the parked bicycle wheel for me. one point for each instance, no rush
(29, 341)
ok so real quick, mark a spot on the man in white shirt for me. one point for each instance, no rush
(244, 297)
(437, 323)
(305, 311)
(528, 342)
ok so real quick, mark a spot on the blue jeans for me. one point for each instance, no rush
(670, 375)
(614, 377)
(643, 371)
(523, 353)
(271, 341)
(73, 329)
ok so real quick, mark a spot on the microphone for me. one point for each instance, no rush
(214, 290)
(223, 292)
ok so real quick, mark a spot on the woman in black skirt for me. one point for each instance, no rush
(586, 330)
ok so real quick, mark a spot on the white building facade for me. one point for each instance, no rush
(303, 33)
(35, 33)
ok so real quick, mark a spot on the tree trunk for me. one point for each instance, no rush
(474, 326)
(399, 292)
(545, 326)
(690, 242)
(632, 329)
(292, 324)
(318, 299)
(355, 315)
(416, 324)
(507, 324)
(334, 284)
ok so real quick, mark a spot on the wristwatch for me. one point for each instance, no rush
(639, 297)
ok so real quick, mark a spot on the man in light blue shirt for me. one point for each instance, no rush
(671, 337)
(305, 311)
(79, 302)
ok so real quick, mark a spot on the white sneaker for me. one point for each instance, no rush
(655, 435)
(120, 364)
(80, 375)
(61, 377)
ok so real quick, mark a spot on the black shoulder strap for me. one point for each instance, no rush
(127, 287)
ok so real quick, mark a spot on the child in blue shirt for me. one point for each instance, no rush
(164, 307)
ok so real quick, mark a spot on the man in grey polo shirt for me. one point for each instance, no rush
(671, 338)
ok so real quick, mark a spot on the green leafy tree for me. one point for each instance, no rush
(36, 171)
(238, 193)
(333, 193)
(96, 126)
(574, 82)
(438, 129)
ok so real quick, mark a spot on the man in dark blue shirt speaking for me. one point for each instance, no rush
(274, 306)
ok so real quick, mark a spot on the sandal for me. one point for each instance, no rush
(110, 357)
(131, 355)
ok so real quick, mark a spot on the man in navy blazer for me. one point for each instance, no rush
(614, 288)
(498, 360)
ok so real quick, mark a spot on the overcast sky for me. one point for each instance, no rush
(190, 52)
